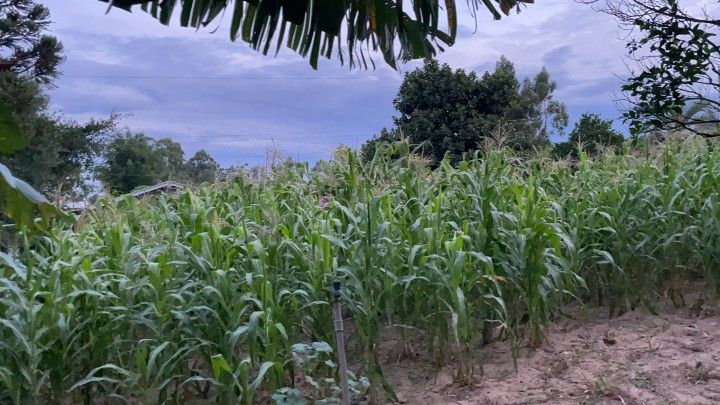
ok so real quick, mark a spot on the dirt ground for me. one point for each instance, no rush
(637, 358)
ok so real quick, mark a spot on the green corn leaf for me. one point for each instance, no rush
(22, 203)
(220, 366)
(91, 378)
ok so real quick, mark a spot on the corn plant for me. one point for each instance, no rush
(204, 295)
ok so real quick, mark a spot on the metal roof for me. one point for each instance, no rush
(164, 185)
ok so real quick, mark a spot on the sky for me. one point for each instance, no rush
(207, 92)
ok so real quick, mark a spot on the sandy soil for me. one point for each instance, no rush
(637, 358)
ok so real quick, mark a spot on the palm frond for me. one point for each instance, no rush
(399, 30)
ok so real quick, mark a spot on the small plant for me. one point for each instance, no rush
(315, 378)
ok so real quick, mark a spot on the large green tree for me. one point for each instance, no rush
(130, 162)
(59, 153)
(536, 114)
(202, 168)
(589, 134)
(170, 159)
(450, 112)
(399, 30)
(27, 57)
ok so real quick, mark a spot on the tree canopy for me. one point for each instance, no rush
(40, 146)
(132, 160)
(58, 152)
(26, 49)
(589, 134)
(202, 168)
(399, 30)
(535, 114)
(450, 112)
(55, 153)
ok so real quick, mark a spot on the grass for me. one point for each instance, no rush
(203, 295)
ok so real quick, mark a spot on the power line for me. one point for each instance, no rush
(153, 77)
(264, 155)
(248, 136)
(246, 143)
(199, 77)
(261, 157)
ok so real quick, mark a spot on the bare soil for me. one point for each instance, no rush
(637, 358)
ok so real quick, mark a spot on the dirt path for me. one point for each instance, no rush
(637, 358)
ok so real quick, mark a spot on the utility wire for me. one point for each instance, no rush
(200, 77)
(301, 136)
(133, 77)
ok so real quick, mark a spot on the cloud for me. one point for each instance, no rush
(246, 61)
(114, 97)
(555, 58)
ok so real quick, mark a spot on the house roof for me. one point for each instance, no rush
(77, 206)
(160, 186)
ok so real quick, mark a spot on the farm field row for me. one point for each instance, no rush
(218, 293)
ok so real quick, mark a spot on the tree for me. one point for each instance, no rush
(56, 153)
(589, 133)
(452, 112)
(678, 64)
(446, 110)
(313, 28)
(25, 55)
(130, 162)
(170, 159)
(26, 51)
(202, 168)
(369, 148)
(537, 114)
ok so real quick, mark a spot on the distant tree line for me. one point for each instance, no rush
(132, 160)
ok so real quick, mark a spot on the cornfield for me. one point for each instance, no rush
(205, 294)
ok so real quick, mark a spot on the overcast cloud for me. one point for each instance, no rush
(207, 92)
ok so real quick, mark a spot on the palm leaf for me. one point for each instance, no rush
(314, 28)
